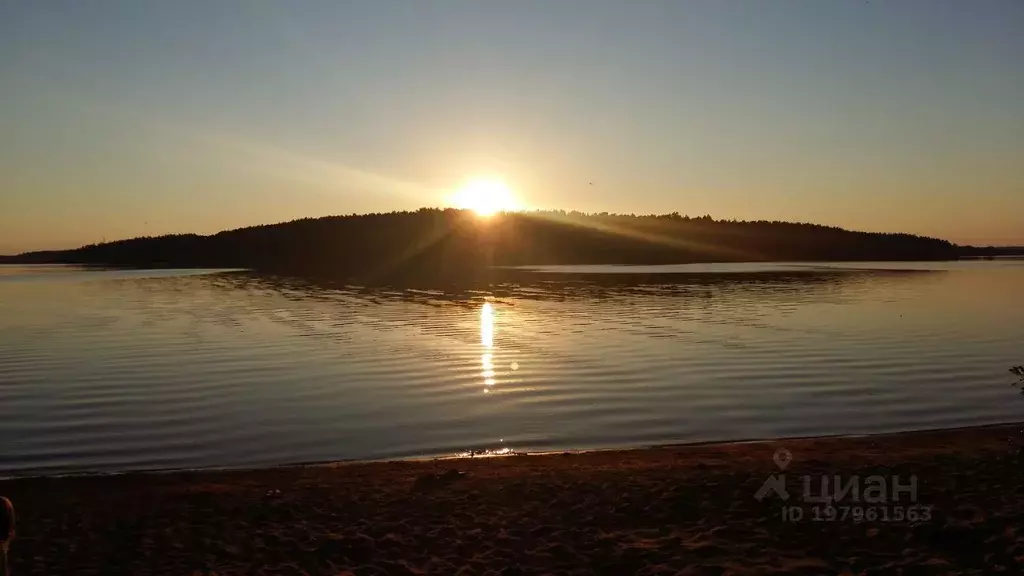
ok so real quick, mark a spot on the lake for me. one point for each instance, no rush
(118, 370)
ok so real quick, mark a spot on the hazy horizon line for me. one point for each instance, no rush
(526, 211)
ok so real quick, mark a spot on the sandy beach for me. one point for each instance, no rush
(667, 510)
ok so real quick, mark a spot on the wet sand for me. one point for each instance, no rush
(669, 510)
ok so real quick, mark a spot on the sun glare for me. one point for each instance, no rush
(486, 197)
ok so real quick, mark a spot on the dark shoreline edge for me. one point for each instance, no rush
(454, 459)
(690, 509)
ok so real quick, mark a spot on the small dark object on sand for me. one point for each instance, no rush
(6, 520)
(6, 531)
(427, 482)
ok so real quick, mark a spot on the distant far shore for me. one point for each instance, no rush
(949, 504)
(459, 245)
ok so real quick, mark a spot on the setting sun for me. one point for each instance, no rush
(485, 196)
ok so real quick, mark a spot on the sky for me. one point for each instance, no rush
(128, 118)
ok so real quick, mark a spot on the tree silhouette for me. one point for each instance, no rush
(457, 244)
(1019, 372)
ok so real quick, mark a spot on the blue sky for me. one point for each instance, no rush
(126, 118)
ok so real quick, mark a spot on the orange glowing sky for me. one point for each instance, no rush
(123, 119)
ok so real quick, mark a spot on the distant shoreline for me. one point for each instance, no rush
(458, 245)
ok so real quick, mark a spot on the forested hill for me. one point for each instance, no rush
(448, 242)
(990, 251)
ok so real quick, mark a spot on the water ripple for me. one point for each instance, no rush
(120, 370)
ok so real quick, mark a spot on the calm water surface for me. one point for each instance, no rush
(120, 370)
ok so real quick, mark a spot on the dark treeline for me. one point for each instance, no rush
(990, 251)
(436, 243)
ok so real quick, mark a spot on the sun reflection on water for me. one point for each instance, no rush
(488, 369)
(487, 341)
(486, 452)
(487, 325)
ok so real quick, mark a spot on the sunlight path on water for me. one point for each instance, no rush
(119, 370)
